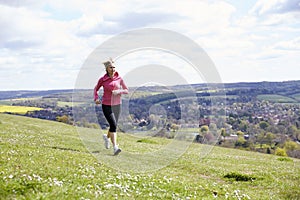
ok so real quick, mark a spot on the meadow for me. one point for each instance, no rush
(276, 98)
(42, 159)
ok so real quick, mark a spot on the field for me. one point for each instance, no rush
(276, 98)
(70, 104)
(47, 160)
(17, 109)
(297, 97)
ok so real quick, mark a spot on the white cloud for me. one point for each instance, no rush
(290, 45)
(276, 12)
(275, 6)
(48, 41)
(16, 26)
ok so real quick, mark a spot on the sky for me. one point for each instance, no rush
(45, 44)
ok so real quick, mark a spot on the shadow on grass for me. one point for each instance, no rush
(239, 177)
(65, 149)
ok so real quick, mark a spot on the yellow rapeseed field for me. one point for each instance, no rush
(17, 109)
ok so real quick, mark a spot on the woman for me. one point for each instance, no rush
(113, 87)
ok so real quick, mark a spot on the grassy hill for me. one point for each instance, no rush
(47, 160)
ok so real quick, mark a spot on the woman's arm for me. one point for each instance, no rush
(96, 88)
(124, 89)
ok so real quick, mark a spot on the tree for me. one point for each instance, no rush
(293, 132)
(290, 146)
(269, 137)
(260, 139)
(63, 119)
(264, 125)
(223, 132)
(204, 129)
(253, 129)
(175, 127)
(220, 122)
(243, 126)
(213, 129)
(240, 133)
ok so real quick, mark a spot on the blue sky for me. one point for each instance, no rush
(43, 44)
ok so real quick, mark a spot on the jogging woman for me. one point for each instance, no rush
(113, 87)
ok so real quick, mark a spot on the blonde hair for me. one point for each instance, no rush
(108, 63)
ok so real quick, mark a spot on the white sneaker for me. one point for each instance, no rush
(106, 142)
(117, 150)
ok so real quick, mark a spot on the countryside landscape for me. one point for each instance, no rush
(252, 131)
(213, 109)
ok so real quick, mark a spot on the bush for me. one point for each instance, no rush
(280, 152)
(64, 119)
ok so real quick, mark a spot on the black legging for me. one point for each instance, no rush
(111, 114)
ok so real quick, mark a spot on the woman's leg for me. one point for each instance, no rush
(113, 138)
(113, 132)
(111, 114)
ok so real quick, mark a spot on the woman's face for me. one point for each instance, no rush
(110, 69)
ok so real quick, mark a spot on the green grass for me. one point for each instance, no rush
(18, 100)
(297, 97)
(139, 94)
(70, 104)
(276, 98)
(47, 160)
(5, 102)
(17, 109)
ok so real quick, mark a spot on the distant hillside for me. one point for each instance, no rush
(286, 88)
(29, 93)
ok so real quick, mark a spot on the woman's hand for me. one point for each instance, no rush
(98, 101)
(116, 92)
(120, 91)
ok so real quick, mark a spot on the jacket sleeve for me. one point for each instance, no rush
(124, 88)
(97, 87)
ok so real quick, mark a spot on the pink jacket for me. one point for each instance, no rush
(109, 84)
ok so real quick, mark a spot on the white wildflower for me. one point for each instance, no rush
(57, 182)
(226, 195)
(246, 196)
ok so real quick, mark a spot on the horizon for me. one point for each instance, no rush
(60, 89)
